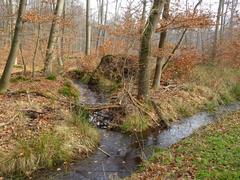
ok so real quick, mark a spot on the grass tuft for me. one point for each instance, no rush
(136, 122)
(52, 77)
(45, 150)
(107, 85)
(69, 91)
(236, 91)
(18, 79)
(184, 111)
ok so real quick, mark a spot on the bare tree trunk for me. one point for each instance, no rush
(4, 82)
(100, 18)
(143, 18)
(161, 60)
(231, 23)
(214, 48)
(105, 21)
(61, 41)
(23, 60)
(143, 83)
(37, 43)
(222, 22)
(226, 14)
(53, 38)
(11, 20)
(88, 30)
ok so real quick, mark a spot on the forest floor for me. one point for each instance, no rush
(38, 127)
(211, 153)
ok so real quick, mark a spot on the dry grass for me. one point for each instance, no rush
(43, 134)
(207, 88)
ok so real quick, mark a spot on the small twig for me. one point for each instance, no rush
(104, 152)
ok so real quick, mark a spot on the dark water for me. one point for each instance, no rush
(127, 151)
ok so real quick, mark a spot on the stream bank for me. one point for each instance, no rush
(119, 155)
(212, 152)
(38, 127)
(175, 100)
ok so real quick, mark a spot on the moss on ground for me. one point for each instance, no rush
(212, 153)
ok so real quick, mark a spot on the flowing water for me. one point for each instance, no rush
(126, 151)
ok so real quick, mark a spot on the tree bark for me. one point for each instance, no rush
(105, 22)
(161, 60)
(53, 38)
(144, 2)
(231, 23)
(4, 82)
(88, 29)
(143, 82)
(222, 22)
(215, 41)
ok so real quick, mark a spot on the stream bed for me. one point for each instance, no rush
(127, 151)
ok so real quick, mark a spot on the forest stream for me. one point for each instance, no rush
(119, 155)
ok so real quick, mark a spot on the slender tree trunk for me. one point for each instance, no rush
(88, 30)
(161, 60)
(214, 48)
(23, 60)
(37, 42)
(143, 18)
(53, 38)
(222, 22)
(225, 15)
(100, 18)
(35, 51)
(105, 21)
(61, 41)
(4, 82)
(11, 20)
(231, 23)
(143, 83)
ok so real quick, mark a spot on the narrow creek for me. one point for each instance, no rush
(125, 150)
